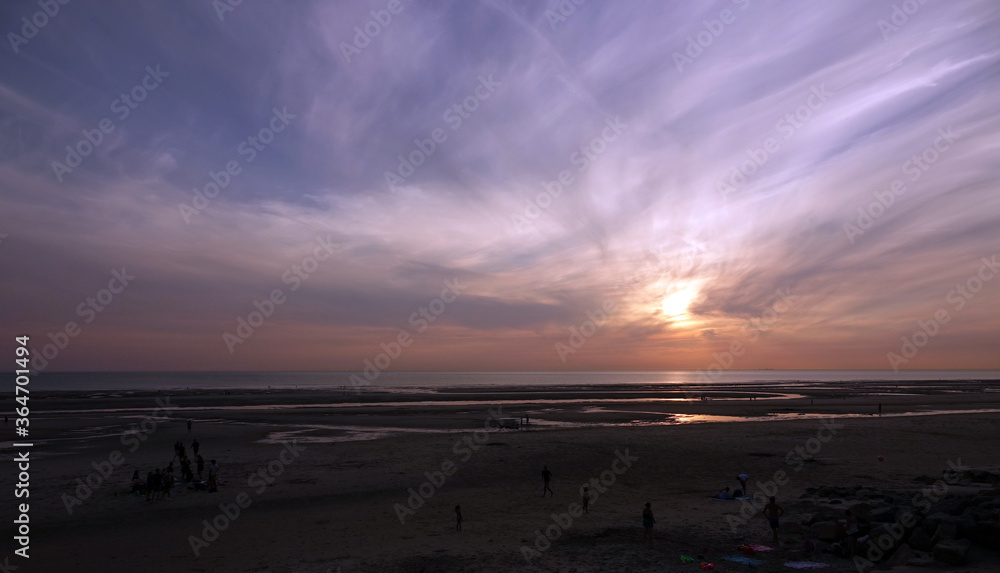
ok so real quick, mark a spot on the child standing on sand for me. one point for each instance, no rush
(585, 498)
(458, 518)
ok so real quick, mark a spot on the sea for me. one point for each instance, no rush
(121, 381)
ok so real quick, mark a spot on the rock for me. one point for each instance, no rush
(828, 531)
(932, 521)
(987, 534)
(920, 560)
(883, 514)
(950, 505)
(920, 540)
(953, 551)
(822, 517)
(861, 510)
(901, 557)
(792, 528)
(944, 532)
(824, 491)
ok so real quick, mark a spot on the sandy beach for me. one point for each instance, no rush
(327, 481)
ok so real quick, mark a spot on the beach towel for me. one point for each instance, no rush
(806, 565)
(743, 559)
(759, 548)
(686, 559)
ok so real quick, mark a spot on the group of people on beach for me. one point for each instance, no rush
(772, 511)
(726, 494)
(158, 483)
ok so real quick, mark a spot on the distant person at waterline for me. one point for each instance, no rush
(546, 476)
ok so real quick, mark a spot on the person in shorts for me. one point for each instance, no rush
(773, 512)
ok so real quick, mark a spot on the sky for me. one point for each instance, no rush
(500, 185)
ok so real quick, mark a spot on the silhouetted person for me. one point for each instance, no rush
(647, 523)
(851, 526)
(546, 476)
(773, 511)
(458, 518)
(213, 477)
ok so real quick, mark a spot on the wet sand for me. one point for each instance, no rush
(331, 500)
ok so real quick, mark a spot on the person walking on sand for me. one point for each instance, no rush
(195, 446)
(773, 511)
(458, 518)
(201, 466)
(546, 476)
(585, 498)
(647, 523)
(189, 426)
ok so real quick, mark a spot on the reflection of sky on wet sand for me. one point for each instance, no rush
(360, 433)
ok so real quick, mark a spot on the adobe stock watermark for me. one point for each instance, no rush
(795, 458)
(583, 157)
(579, 334)
(881, 545)
(704, 39)
(263, 309)
(915, 167)
(752, 328)
(224, 7)
(260, 480)
(455, 115)
(364, 34)
(899, 17)
(737, 175)
(87, 311)
(248, 148)
(958, 297)
(464, 447)
(420, 320)
(131, 438)
(31, 26)
(123, 107)
(563, 10)
(561, 522)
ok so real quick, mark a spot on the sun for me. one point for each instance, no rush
(675, 305)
